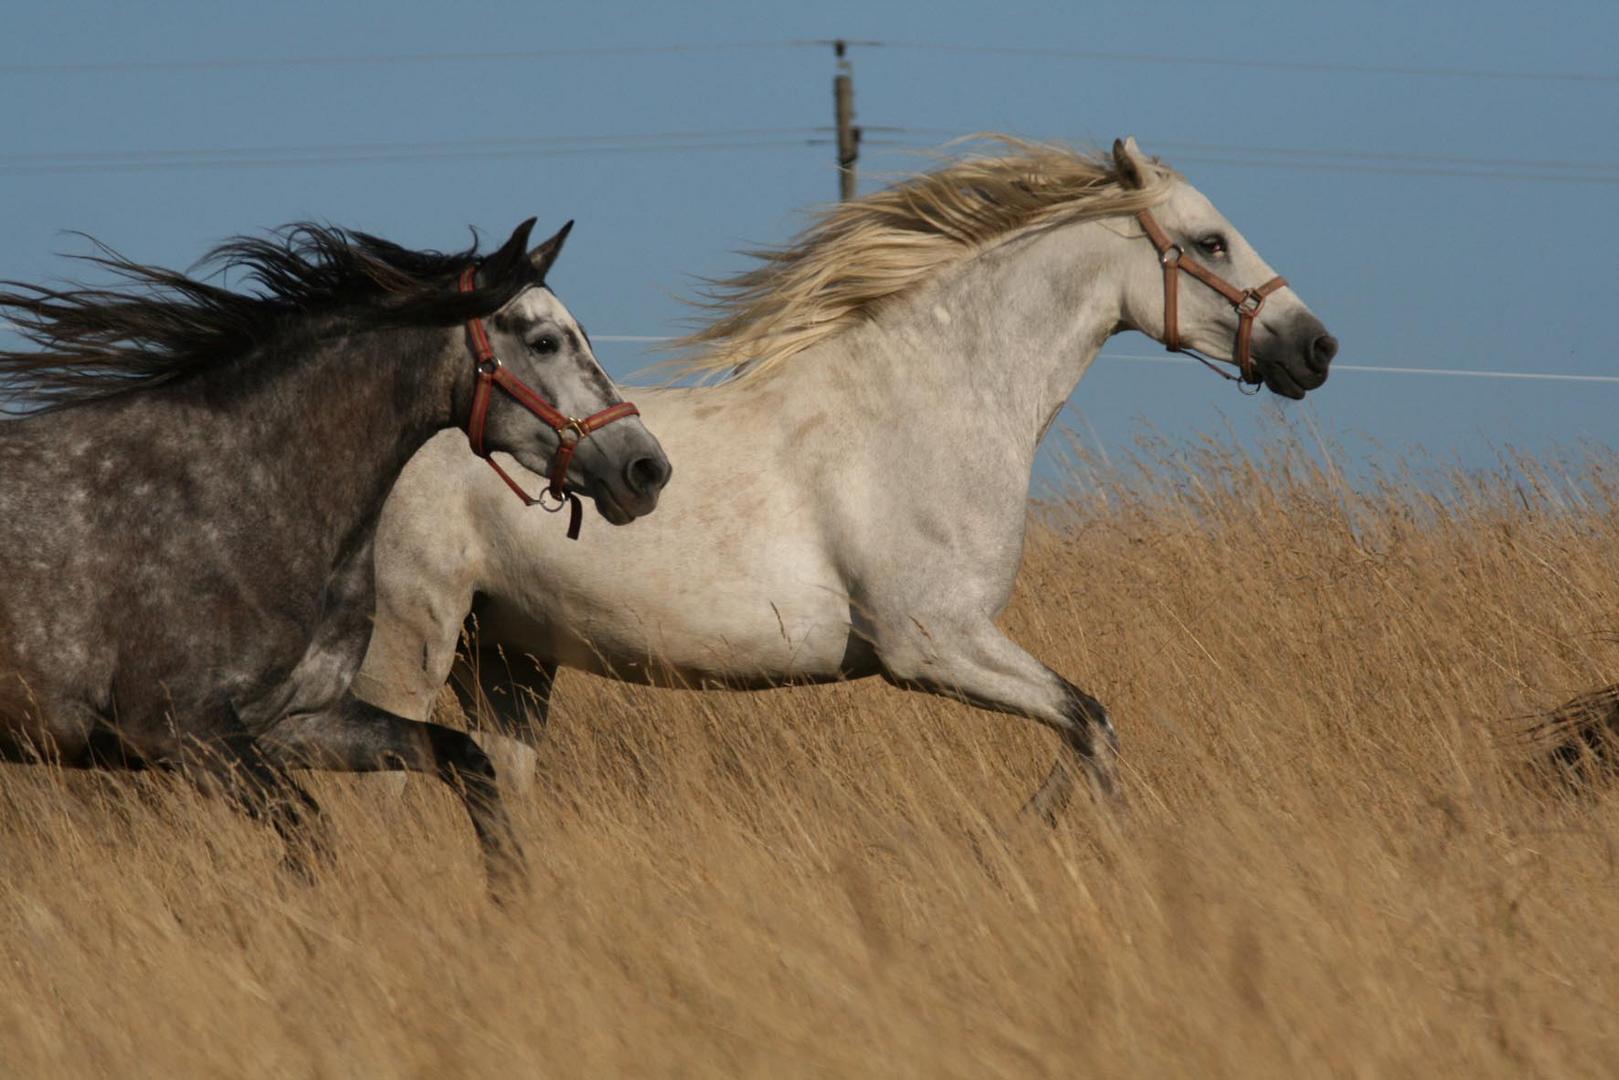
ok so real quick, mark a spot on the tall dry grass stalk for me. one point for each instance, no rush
(1330, 863)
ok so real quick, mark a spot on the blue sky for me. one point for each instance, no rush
(1512, 271)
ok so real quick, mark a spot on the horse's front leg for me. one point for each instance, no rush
(359, 737)
(221, 757)
(981, 666)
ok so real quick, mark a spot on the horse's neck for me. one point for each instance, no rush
(327, 426)
(989, 353)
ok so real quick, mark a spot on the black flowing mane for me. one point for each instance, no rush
(158, 325)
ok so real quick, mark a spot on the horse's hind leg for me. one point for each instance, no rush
(1057, 789)
(983, 667)
(359, 737)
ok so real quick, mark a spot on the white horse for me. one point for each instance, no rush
(852, 500)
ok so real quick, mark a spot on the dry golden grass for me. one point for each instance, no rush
(1330, 865)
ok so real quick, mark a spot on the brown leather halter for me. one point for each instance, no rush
(571, 430)
(1247, 302)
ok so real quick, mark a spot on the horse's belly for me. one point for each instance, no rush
(737, 638)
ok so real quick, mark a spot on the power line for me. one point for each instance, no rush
(1383, 369)
(1315, 67)
(1312, 67)
(1382, 155)
(69, 162)
(1148, 358)
(503, 142)
(1390, 170)
(1312, 152)
(1588, 172)
(389, 59)
(240, 158)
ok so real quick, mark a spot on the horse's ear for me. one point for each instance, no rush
(505, 262)
(543, 256)
(1131, 163)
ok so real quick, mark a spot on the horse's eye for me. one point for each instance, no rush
(1213, 245)
(545, 344)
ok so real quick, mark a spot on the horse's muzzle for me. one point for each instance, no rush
(1297, 358)
(625, 471)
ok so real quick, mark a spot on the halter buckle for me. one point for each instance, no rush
(1251, 302)
(577, 426)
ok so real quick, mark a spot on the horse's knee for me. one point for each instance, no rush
(412, 649)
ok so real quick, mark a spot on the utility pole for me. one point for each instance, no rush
(843, 110)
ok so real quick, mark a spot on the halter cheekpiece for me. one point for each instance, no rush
(1247, 302)
(571, 430)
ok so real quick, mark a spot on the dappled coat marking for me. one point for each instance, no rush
(187, 520)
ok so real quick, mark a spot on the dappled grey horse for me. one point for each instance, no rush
(854, 497)
(188, 512)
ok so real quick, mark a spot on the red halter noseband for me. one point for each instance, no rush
(571, 431)
(1246, 301)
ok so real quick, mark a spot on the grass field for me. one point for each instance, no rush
(1330, 863)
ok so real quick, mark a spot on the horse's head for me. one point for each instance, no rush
(1198, 286)
(606, 453)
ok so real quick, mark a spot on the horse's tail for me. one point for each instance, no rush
(1578, 741)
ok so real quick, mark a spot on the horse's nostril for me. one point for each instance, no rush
(646, 474)
(1322, 350)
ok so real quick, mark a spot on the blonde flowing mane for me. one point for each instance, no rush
(859, 255)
